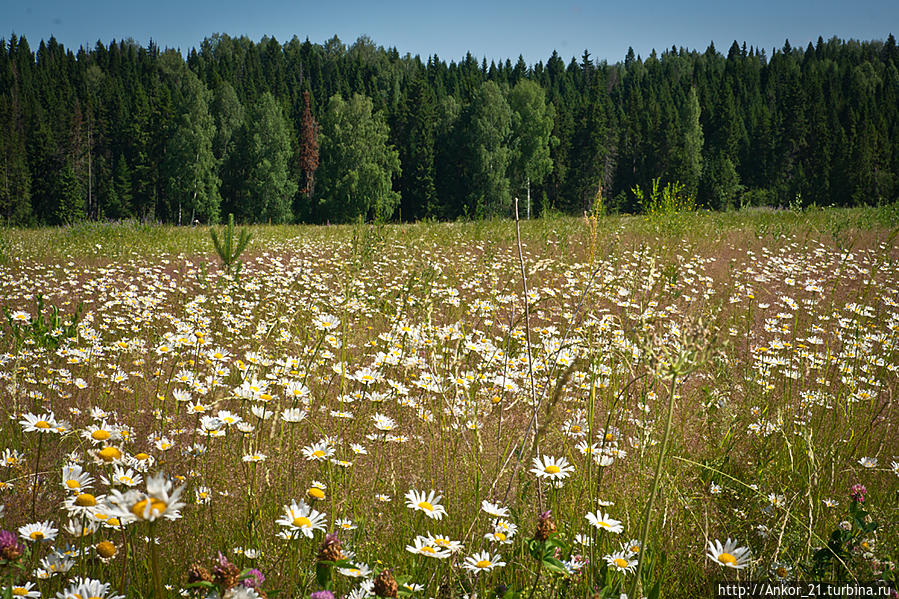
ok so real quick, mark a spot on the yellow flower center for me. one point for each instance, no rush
(575, 429)
(19, 592)
(781, 572)
(621, 562)
(105, 549)
(85, 500)
(36, 535)
(156, 506)
(318, 453)
(428, 549)
(426, 506)
(41, 424)
(301, 522)
(483, 564)
(635, 549)
(726, 558)
(126, 479)
(499, 536)
(113, 522)
(552, 469)
(100, 435)
(316, 493)
(603, 524)
(73, 484)
(108, 454)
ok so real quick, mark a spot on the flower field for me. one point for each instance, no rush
(385, 411)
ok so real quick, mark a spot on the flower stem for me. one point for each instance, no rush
(655, 487)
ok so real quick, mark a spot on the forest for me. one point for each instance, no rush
(302, 132)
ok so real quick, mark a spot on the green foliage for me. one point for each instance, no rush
(136, 133)
(227, 249)
(488, 137)
(44, 330)
(667, 201)
(357, 162)
(269, 188)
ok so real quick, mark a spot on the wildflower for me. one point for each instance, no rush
(160, 500)
(429, 504)
(318, 451)
(254, 457)
(345, 524)
(546, 527)
(830, 502)
(385, 585)
(781, 571)
(729, 555)
(552, 468)
(857, 493)
(444, 543)
(426, 546)
(482, 562)
(494, 509)
(45, 423)
(106, 550)
(868, 462)
(83, 504)
(316, 490)
(38, 531)
(330, 550)
(603, 522)
(10, 548)
(75, 479)
(632, 547)
(293, 414)
(894, 466)
(26, 590)
(300, 518)
(621, 561)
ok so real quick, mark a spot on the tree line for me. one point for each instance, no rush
(296, 131)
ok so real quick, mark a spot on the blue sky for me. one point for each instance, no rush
(495, 30)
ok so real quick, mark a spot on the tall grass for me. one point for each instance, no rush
(728, 378)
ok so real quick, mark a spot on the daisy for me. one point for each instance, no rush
(299, 518)
(45, 423)
(498, 536)
(75, 479)
(83, 504)
(894, 466)
(426, 546)
(482, 562)
(345, 524)
(88, 587)
(25, 590)
(38, 531)
(729, 555)
(552, 468)
(122, 476)
(621, 561)
(868, 462)
(101, 433)
(632, 547)
(318, 451)
(160, 500)
(494, 509)
(429, 504)
(604, 522)
(445, 543)
(316, 490)
(356, 571)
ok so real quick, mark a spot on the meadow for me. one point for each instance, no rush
(627, 406)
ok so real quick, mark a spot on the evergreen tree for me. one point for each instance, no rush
(192, 184)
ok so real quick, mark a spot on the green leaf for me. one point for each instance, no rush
(554, 565)
(323, 574)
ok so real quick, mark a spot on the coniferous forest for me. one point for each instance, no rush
(302, 132)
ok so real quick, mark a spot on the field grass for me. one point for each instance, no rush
(671, 384)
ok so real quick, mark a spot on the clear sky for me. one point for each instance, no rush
(491, 29)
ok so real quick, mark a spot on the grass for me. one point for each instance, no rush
(742, 365)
